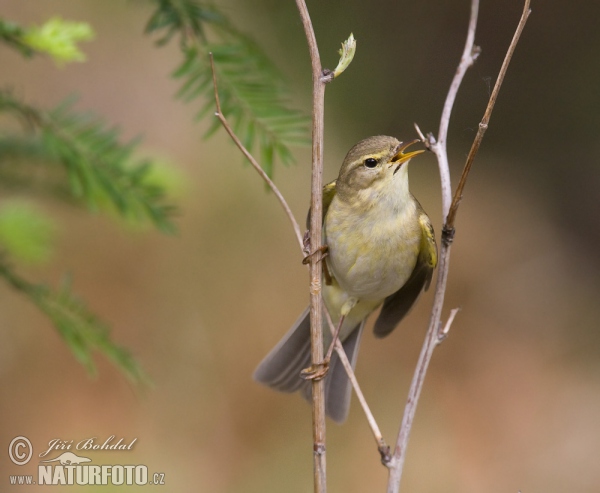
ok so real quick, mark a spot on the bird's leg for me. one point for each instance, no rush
(323, 249)
(318, 371)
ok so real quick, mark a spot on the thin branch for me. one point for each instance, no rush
(443, 332)
(382, 446)
(255, 165)
(483, 125)
(315, 227)
(432, 338)
(469, 55)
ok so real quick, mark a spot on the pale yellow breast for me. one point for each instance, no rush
(371, 252)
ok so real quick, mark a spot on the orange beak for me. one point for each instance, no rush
(400, 157)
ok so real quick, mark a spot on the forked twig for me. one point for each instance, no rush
(483, 125)
(318, 400)
(469, 55)
(449, 207)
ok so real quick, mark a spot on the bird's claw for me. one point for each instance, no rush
(323, 249)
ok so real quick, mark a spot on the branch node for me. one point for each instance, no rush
(448, 235)
(483, 126)
(443, 332)
(384, 452)
(431, 139)
(327, 76)
(426, 141)
(319, 448)
(475, 52)
(315, 288)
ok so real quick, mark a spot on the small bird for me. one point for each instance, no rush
(380, 250)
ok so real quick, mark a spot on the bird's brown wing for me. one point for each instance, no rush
(397, 305)
(329, 192)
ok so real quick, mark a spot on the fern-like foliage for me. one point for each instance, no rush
(79, 158)
(83, 161)
(13, 35)
(56, 37)
(78, 326)
(253, 93)
(100, 170)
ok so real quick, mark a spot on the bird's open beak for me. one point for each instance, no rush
(400, 157)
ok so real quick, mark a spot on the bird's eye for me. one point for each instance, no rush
(370, 162)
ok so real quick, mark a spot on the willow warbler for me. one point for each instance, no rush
(381, 250)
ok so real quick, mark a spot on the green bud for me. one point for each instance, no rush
(346, 55)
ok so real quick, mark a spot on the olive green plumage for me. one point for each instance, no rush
(381, 251)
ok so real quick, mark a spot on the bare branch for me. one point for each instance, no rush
(316, 220)
(469, 55)
(250, 158)
(443, 332)
(483, 125)
(434, 335)
(383, 448)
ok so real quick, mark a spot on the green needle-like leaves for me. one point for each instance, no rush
(78, 326)
(252, 91)
(100, 170)
(83, 161)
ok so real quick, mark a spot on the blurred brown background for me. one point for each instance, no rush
(512, 400)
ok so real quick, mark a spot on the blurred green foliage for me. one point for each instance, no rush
(79, 158)
(56, 37)
(79, 327)
(83, 161)
(26, 233)
(59, 39)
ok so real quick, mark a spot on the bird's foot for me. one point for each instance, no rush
(322, 249)
(315, 372)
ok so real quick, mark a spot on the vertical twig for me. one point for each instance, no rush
(316, 219)
(384, 450)
(435, 332)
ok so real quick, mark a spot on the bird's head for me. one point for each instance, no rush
(375, 166)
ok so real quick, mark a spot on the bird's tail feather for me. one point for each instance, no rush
(281, 368)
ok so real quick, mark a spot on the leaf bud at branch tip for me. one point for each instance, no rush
(346, 55)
